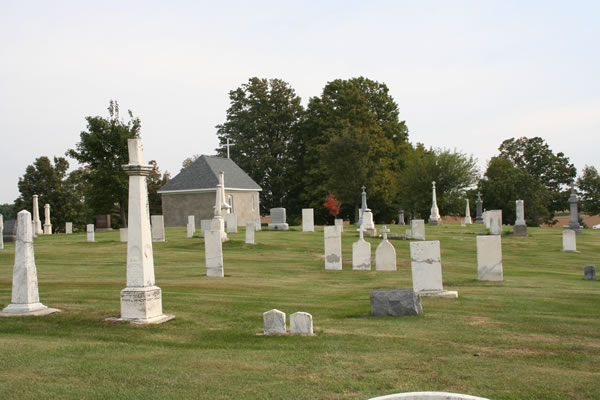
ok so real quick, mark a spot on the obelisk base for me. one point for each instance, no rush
(27, 309)
(142, 305)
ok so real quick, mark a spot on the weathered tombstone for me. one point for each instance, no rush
(368, 225)
(569, 240)
(123, 235)
(191, 226)
(339, 224)
(68, 228)
(36, 217)
(408, 233)
(489, 258)
(426, 267)
(418, 229)
(395, 302)
(189, 230)
(213, 251)
(274, 322)
(278, 220)
(47, 224)
(478, 208)
(301, 323)
(141, 299)
(385, 254)
(401, 217)
(10, 230)
(589, 273)
(486, 219)
(333, 248)
(573, 214)
(520, 228)
(103, 223)
(205, 226)
(231, 223)
(495, 222)
(250, 233)
(308, 220)
(428, 396)
(90, 232)
(434, 217)
(1, 232)
(467, 220)
(158, 228)
(361, 253)
(25, 295)
(258, 226)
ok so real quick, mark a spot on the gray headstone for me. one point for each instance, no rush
(10, 230)
(589, 273)
(278, 220)
(395, 302)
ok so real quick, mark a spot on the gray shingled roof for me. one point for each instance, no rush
(204, 174)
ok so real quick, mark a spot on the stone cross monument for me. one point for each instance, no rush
(434, 218)
(141, 300)
(47, 224)
(36, 217)
(221, 208)
(363, 206)
(479, 210)
(467, 219)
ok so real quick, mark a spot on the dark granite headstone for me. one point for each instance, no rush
(103, 222)
(589, 273)
(10, 230)
(396, 302)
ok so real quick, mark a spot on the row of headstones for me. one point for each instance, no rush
(301, 323)
(157, 230)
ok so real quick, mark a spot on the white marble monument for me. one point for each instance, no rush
(333, 248)
(213, 252)
(520, 228)
(274, 322)
(191, 226)
(68, 228)
(205, 225)
(158, 228)
(569, 240)
(417, 230)
(301, 323)
(89, 228)
(47, 223)
(36, 217)
(221, 208)
(339, 224)
(141, 300)
(426, 267)
(434, 217)
(123, 235)
(25, 295)
(258, 226)
(489, 257)
(385, 254)
(495, 222)
(467, 220)
(308, 220)
(250, 233)
(231, 223)
(361, 253)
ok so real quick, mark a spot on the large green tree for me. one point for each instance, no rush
(453, 172)
(554, 171)
(51, 182)
(102, 149)
(352, 136)
(504, 183)
(589, 189)
(262, 124)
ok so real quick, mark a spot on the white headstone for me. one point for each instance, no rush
(278, 220)
(47, 224)
(339, 223)
(33, 229)
(213, 251)
(426, 267)
(158, 228)
(367, 220)
(301, 323)
(89, 228)
(467, 220)
(495, 222)
(274, 322)
(25, 294)
(308, 220)
(408, 233)
(417, 229)
(250, 233)
(258, 226)
(205, 226)
(333, 248)
(191, 224)
(569, 240)
(189, 230)
(123, 235)
(231, 223)
(1, 232)
(141, 299)
(385, 254)
(486, 219)
(489, 257)
(68, 228)
(36, 217)
(221, 208)
(361, 253)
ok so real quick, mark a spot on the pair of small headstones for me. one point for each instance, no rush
(274, 323)
(589, 273)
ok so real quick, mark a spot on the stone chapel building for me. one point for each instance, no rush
(192, 192)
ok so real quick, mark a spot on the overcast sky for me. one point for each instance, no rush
(465, 74)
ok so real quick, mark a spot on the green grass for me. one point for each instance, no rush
(536, 335)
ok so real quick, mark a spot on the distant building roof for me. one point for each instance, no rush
(203, 175)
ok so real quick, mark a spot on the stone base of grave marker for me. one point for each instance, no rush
(142, 305)
(589, 273)
(278, 227)
(47, 229)
(428, 396)
(36, 309)
(450, 294)
(520, 230)
(395, 302)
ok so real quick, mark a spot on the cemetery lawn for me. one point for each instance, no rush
(536, 335)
